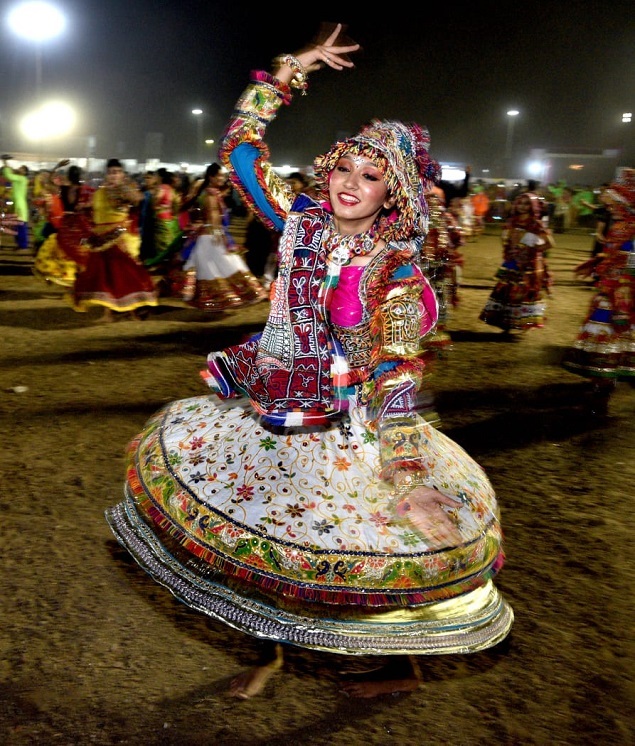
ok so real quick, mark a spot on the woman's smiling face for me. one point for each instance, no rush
(357, 190)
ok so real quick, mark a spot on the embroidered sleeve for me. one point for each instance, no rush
(245, 154)
(407, 311)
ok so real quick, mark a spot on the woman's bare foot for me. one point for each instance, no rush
(250, 683)
(399, 676)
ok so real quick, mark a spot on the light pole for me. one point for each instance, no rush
(37, 21)
(511, 118)
(198, 113)
(627, 118)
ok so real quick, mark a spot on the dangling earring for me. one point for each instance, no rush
(389, 203)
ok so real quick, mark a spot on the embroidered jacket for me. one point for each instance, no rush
(302, 368)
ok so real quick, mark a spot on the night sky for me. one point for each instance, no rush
(132, 68)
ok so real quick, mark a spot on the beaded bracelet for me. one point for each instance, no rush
(300, 75)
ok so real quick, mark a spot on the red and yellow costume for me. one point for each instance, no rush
(112, 276)
(605, 344)
(523, 281)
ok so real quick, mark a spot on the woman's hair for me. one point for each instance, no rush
(165, 176)
(74, 174)
(210, 172)
(522, 197)
(184, 183)
(303, 178)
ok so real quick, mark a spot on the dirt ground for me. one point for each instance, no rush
(92, 651)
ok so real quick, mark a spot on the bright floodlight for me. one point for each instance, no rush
(197, 112)
(513, 113)
(452, 173)
(535, 168)
(36, 21)
(51, 120)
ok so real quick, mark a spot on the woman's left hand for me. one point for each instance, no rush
(328, 52)
(423, 508)
(320, 53)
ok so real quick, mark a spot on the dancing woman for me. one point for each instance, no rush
(310, 503)
(64, 251)
(519, 298)
(113, 277)
(166, 205)
(216, 276)
(604, 349)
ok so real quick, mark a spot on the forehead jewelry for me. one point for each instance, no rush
(358, 160)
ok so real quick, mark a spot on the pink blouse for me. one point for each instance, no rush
(346, 307)
(347, 311)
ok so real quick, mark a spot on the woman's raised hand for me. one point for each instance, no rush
(328, 52)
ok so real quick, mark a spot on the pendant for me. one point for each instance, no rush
(340, 256)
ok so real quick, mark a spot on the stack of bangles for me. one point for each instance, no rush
(409, 482)
(300, 79)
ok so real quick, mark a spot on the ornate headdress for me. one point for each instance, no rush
(401, 153)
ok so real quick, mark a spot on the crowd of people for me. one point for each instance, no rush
(127, 241)
(311, 499)
(168, 212)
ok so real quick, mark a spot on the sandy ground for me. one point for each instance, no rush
(94, 652)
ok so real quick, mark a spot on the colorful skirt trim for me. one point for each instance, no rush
(290, 535)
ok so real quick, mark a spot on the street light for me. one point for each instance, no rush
(51, 120)
(37, 21)
(627, 118)
(511, 117)
(198, 113)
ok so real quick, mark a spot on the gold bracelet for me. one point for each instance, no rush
(409, 483)
(300, 79)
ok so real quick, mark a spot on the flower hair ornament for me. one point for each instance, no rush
(400, 151)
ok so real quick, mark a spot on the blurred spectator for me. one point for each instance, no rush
(166, 205)
(451, 189)
(147, 216)
(538, 201)
(300, 183)
(563, 212)
(19, 179)
(602, 216)
(261, 244)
